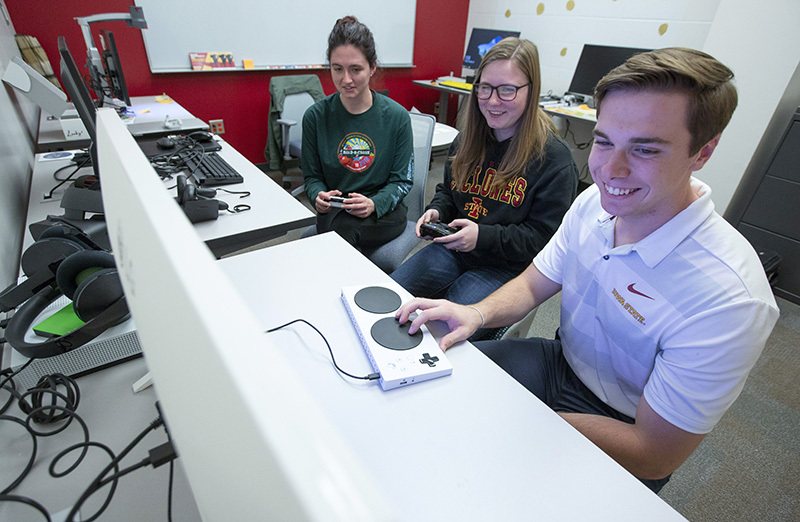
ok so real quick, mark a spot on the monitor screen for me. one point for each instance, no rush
(75, 86)
(480, 42)
(595, 62)
(252, 454)
(113, 66)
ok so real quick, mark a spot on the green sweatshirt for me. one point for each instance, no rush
(369, 153)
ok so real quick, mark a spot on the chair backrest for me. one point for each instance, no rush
(422, 126)
(294, 106)
(289, 96)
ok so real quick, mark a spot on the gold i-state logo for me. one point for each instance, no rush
(356, 152)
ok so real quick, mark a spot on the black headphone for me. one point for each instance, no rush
(198, 203)
(64, 261)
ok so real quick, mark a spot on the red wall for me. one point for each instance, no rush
(241, 98)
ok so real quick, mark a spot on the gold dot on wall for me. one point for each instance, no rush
(508, 13)
(540, 9)
(663, 29)
(564, 51)
(570, 5)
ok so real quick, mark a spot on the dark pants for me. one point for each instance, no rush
(368, 232)
(539, 365)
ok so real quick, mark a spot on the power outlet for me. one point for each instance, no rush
(217, 127)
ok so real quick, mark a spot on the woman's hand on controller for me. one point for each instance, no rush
(359, 205)
(427, 217)
(464, 240)
(323, 201)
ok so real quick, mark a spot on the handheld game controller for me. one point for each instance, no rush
(437, 229)
(336, 201)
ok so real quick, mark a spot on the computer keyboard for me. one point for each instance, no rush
(210, 169)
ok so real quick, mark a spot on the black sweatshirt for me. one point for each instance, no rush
(516, 222)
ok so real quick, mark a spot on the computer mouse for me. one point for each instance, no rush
(165, 143)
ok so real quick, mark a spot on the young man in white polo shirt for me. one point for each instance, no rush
(665, 307)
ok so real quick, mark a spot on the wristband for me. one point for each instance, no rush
(483, 320)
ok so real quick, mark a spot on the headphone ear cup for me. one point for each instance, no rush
(189, 193)
(47, 250)
(181, 179)
(78, 267)
(96, 293)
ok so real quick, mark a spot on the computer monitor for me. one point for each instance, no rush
(480, 41)
(595, 62)
(253, 441)
(115, 79)
(36, 87)
(75, 86)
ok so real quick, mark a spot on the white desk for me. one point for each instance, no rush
(114, 416)
(148, 117)
(273, 210)
(444, 92)
(578, 112)
(472, 446)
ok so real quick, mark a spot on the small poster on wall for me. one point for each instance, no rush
(210, 61)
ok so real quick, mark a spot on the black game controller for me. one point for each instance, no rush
(336, 201)
(436, 229)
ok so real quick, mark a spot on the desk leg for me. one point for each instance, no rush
(443, 106)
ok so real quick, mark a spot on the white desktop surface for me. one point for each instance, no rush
(114, 416)
(475, 445)
(147, 117)
(273, 210)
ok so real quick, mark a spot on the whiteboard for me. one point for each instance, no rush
(273, 34)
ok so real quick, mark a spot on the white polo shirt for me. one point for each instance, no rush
(681, 316)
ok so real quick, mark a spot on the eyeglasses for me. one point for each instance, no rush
(505, 92)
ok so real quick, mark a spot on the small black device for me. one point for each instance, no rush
(337, 201)
(437, 229)
(201, 136)
(165, 143)
(198, 203)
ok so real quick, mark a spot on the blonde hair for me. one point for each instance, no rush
(534, 126)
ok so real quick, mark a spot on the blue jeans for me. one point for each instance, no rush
(435, 272)
(540, 366)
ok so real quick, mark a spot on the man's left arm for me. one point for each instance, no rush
(651, 448)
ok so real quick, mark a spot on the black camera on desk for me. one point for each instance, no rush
(198, 203)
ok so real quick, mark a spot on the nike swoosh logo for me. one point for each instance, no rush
(632, 290)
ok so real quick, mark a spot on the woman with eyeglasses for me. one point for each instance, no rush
(508, 181)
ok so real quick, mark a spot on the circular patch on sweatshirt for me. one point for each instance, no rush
(356, 152)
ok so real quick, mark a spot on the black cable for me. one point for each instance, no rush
(244, 193)
(29, 501)
(78, 167)
(100, 481)
(31, 460)
(239, 208)
(10, 381)
(43, 412)
(370, 377)
(579, 146)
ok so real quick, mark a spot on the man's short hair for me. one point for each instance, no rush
(707, 82)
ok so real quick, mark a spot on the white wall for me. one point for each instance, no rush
(758, 40)
(20, 120)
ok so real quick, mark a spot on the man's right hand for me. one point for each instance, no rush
(462, 320)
